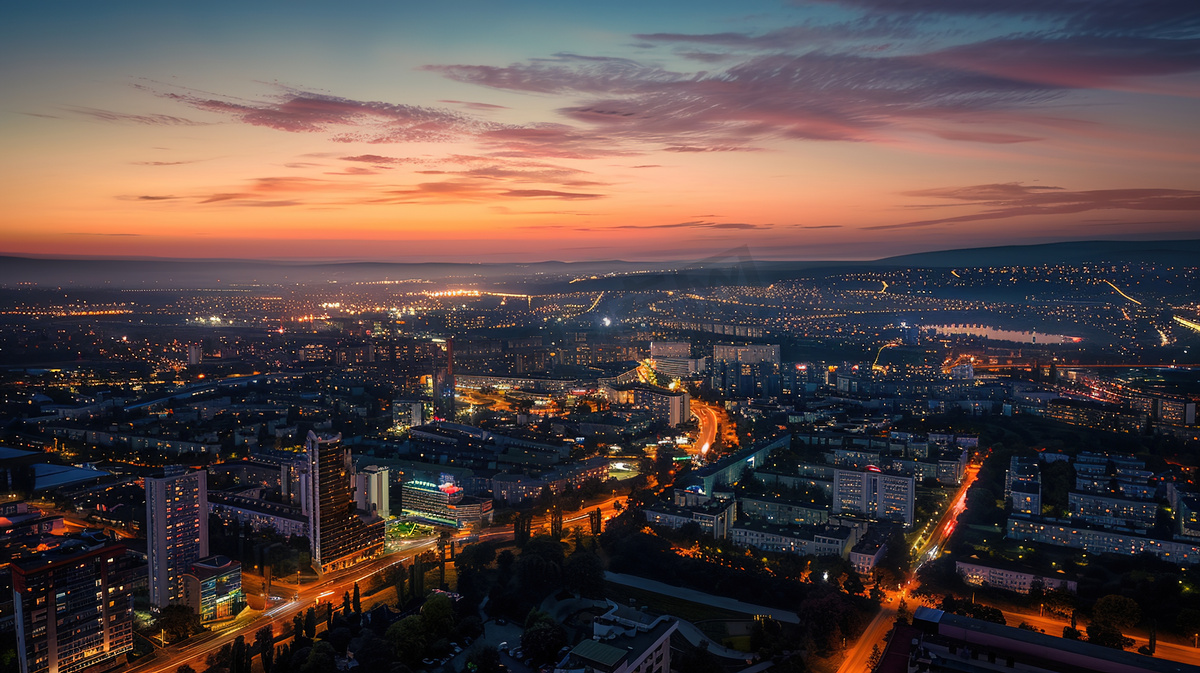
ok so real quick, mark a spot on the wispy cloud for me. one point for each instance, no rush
(1008, 200)
(129, 118)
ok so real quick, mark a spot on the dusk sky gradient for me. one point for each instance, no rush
(529, 131)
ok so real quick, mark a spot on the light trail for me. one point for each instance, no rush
(1123, 294)
(1190, 324)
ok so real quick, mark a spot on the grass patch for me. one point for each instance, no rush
(668, 605)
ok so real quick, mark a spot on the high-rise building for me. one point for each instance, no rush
(176, 530)
(373, 490)
(875, 494)
(338, 537)
(750, 371)
(74, 607)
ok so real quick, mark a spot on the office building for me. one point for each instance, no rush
(338, 537)
(74, 607)
(176, 530)
(444, 504)
(212, 587)
(874, 494)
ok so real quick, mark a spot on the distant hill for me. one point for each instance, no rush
(542, 276)
(1180, 252)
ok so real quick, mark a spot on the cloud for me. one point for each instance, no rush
(1166, 18)
(1077, 61)
(123, 117)
(164, 163)
(816, 95)
(985, 137)
(806, 36)
(483, 107)
(698, 224)
(377, 159)
(89, 233)
(298, 111)
(548, 193)
(1014, 199)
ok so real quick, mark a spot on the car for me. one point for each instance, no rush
(457, 649)
(501, 621)
(503, 646)
(517, 654)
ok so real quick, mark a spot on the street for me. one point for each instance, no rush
(279, 611)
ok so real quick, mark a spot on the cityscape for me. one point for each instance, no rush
(390, 338)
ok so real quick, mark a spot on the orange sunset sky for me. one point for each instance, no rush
(526, 131)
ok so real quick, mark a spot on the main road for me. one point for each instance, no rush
(278, 611)
(926, 549)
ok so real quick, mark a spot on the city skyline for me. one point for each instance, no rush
(833, 129)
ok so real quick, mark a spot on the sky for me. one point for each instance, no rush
(529, 131)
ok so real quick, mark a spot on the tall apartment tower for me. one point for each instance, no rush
(176, 530)
(337, 536)
(74, 607)
(373, 490)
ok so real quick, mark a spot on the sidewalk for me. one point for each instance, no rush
(701, 597)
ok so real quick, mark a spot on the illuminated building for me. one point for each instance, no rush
(885, 497)
(338, 537)
(176, 530)
(213, 588)
(670, 349)
(373, 491)
(444, 504)
(1011, 579)
(74, 608)
(799, 540)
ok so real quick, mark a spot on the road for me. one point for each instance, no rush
(932, 546)
(195, 650)
(856, 659)
(708, 426)
(1053, 625)
(280, 607)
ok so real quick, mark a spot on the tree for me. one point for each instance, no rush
(543, 638)
(486, 660)
(438, 617)
(1105, 635)
(356, 600)
(583, 573)
(1117, 612)
(475, 557)
(297, 629)
(346, 604)
(264, 644)
(310, 624)
(320, 659)
(407, 638)
(177, 622)
(876, 655)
